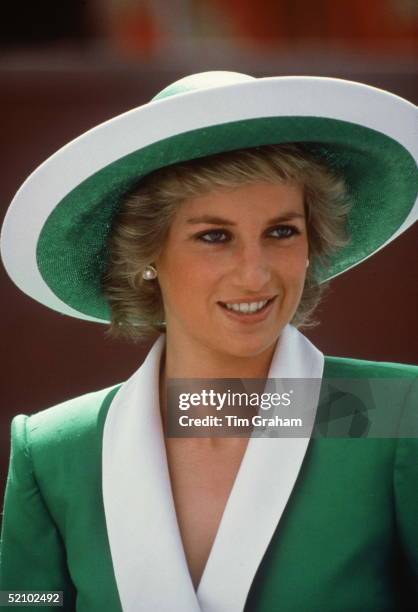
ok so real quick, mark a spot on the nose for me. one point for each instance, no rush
(252, 268)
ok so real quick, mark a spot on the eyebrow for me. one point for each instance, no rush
(286, 216)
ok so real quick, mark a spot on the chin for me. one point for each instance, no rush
(251, 345)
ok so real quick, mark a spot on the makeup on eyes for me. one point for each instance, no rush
(291, 230)
(214, 220)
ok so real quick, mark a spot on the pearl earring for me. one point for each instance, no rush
(307, 263)
(149, 273)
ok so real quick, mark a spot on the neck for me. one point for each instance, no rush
(203, 362)
(184, 363)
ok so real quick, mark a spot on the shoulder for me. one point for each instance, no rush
(64, 426)
(335, 367)
(76, 414)
(369, 399)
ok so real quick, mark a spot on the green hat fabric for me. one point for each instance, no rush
(219, 112)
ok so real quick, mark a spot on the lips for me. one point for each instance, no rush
(267, 300)
(248, 317)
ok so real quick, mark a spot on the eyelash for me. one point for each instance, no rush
(201, 237)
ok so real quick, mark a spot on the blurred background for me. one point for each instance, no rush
(67, 66)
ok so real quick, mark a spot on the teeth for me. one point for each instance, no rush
(247, 306)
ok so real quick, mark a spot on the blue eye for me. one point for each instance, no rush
(285, 231)
(213, 236)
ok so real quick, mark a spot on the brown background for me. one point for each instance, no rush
(53, 92)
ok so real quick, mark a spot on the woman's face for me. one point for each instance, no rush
(229, 250)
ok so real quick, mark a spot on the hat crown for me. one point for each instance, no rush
(202, 80)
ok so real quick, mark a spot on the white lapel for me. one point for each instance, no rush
(147, 552)
(261, 490)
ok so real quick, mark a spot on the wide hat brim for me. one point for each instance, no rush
(53, 241)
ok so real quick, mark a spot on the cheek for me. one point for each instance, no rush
(296, 264)
(292, 269)
(187, 280)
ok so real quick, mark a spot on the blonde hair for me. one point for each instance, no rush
(144, 217)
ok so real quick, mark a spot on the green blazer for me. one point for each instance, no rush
(346, 541)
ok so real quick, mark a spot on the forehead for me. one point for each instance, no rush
(258, 198)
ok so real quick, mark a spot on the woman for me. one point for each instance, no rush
(194, 216)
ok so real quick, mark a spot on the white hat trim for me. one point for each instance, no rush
(274, 96)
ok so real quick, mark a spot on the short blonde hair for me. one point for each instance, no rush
(141, 225)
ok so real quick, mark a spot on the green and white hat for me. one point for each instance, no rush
(53, 241)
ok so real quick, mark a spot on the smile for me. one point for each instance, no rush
(248, 310)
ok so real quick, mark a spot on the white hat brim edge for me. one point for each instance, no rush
(272, 96)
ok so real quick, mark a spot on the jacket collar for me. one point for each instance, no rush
(148, 557)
